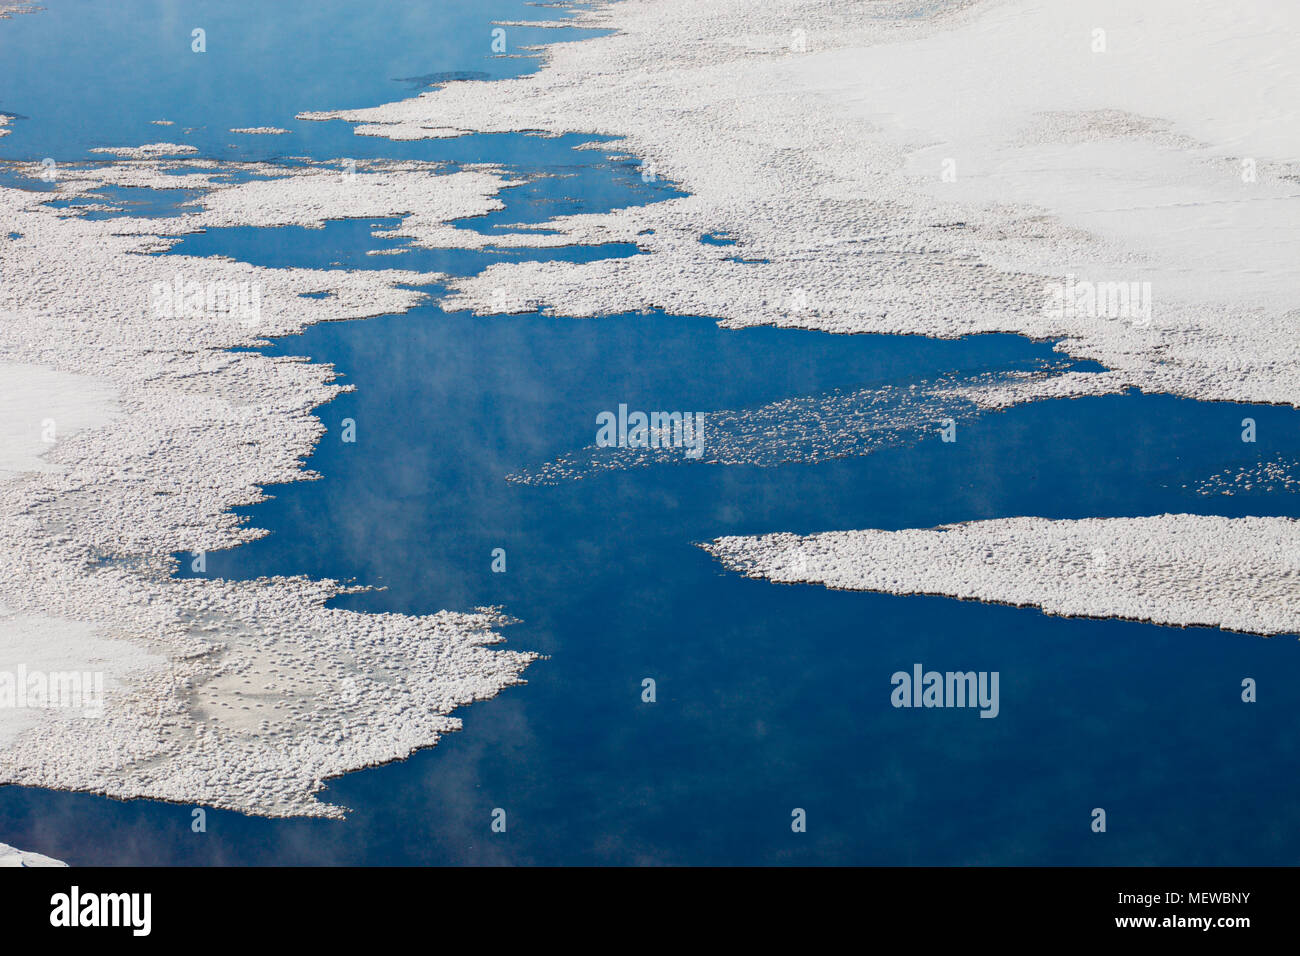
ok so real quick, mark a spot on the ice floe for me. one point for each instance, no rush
(424, 195)
(1239, 574)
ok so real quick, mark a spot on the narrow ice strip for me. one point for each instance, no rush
(148, 150)
(10, 856)
(402, 133)
(803, 429)
(261, 131)
(1239, 574)
(10, 10)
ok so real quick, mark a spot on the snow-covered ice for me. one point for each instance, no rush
(9, 856)
(1240, 574)
(1162, 152)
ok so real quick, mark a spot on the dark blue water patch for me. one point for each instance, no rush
(511, 150)
(661, 361)
(339, 243)
(349, 244)
(769, 697)
(263, 65)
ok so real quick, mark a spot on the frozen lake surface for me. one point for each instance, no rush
(768, 697)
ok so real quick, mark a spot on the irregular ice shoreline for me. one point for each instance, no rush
(130, 436)
(1122, 165)
(1239, 574)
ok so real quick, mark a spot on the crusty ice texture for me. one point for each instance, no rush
(148, 150)
(242, 695)
(1240, 574)
(1118, 165)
